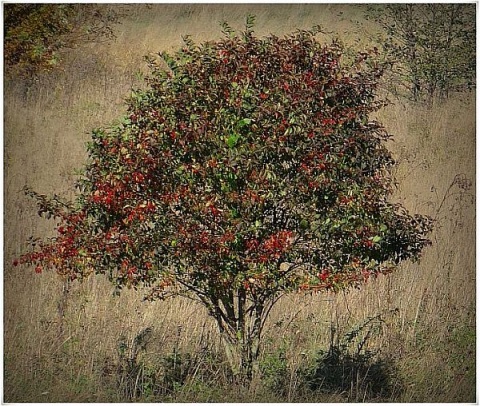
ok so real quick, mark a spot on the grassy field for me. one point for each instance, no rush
(408, 337)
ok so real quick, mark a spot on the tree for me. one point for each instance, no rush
(35, 33)
(249, 168)
(433, 46)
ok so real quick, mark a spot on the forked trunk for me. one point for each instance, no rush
(240, 329)
(242, 356)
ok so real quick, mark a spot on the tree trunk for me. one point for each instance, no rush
(240, 331)
(242, 358)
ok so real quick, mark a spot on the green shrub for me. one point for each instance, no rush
(36, 33)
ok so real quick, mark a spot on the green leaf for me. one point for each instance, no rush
(244, 122)
(232, 140)
(376, 239)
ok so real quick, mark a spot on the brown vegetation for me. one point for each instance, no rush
(77, 343)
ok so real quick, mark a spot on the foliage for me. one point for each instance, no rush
(132, 376)
(275, 373)
(35, 33)
(247, 169)
(349, 367)
(433, 46)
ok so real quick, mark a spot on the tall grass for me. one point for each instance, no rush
(413, 331)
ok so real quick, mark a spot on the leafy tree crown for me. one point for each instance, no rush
(248, 164)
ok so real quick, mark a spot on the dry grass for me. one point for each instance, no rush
(63, 346)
